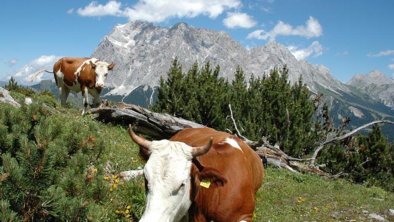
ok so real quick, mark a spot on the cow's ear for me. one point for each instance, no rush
(93, 65)
(212, 176)
(111, 66)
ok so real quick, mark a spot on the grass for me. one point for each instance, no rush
(286, 196)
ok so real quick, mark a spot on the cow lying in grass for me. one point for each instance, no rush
(199, 175)
(86, 75)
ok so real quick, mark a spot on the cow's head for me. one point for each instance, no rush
(101, 69)
(168, 177)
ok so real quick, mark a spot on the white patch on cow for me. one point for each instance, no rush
(60, 75)
(168, 176)
(232, 142)
(93, 60)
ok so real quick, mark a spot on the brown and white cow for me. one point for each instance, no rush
(200, 175)
(81, 74)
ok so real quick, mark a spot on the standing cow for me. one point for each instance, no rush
(81, 74)
(199, 175)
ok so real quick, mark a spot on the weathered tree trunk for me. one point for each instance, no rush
(155, 125)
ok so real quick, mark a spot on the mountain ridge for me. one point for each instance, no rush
(377, 85)
(138, 41)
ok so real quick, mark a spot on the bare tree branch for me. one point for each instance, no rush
(236, 128)
(339, 138)
(131, 174)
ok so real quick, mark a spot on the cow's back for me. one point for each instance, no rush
(241, 167)
(68, 66)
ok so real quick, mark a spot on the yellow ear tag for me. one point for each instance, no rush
(205, 183)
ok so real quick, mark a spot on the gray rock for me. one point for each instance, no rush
(5, 97)
(376, 217)
(28, 101)
(391, 212)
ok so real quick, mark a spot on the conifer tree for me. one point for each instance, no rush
(49, 167)
(300, 115)
(170, 91)
(238, 97)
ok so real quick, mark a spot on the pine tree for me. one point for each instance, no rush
(44, 164)
(170, 91)
(300, 115)
(12, 84)
(379, 159)
(238, 98)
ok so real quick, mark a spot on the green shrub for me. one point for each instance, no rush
(13, 86)
(52, 168)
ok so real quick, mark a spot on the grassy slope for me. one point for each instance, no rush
(284, 196)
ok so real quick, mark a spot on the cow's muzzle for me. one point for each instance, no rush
(99, 86)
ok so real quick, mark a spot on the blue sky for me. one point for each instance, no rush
(348, 36)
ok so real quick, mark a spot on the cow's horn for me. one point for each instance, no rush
(200, 150)
(139, 140)
(92, 64)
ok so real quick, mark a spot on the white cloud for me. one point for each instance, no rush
(382, 53)
(154, 11)
(315, 49)
(112, 8)
(12, 62)
(70, 11)
(344, 53)
(158, 11)
(242, 20)
(30, 73)
(312, 28)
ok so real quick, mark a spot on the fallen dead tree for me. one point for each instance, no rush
(155, 125)
(163, 126)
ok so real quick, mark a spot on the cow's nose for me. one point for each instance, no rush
(99, 85)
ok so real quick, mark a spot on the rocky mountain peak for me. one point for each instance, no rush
(377, 85)
(180, 26)
(374, 77)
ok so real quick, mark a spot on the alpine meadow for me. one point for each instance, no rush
(197, 111)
